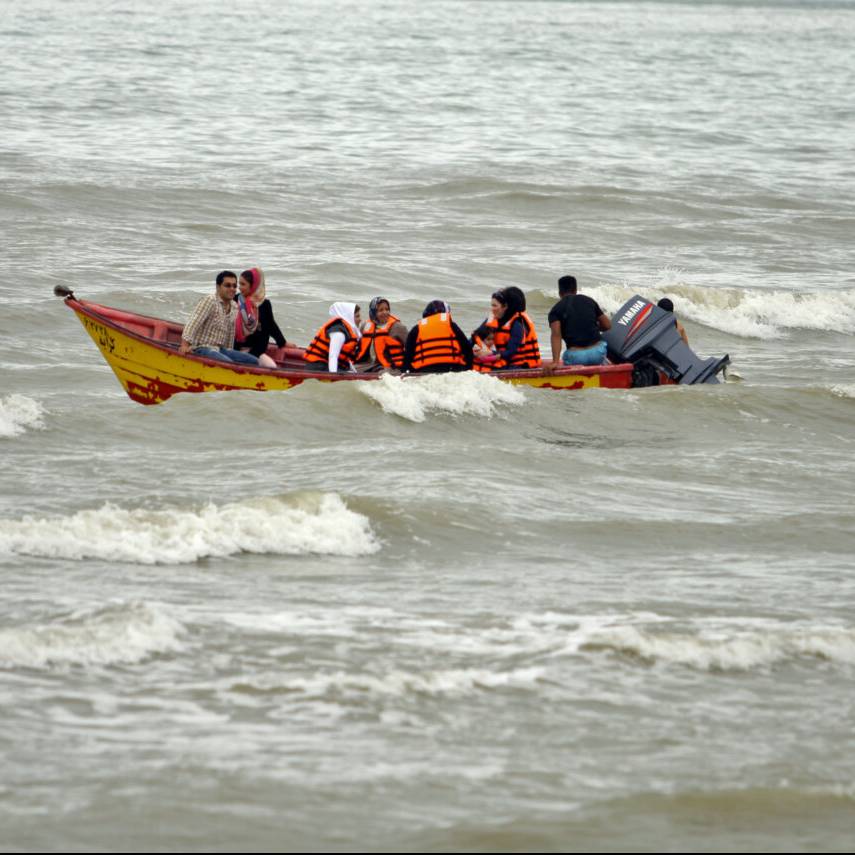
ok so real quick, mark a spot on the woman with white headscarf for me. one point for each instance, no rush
(336, 344)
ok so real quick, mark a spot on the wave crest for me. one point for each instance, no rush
(17, 413)
(305, 524)
(124, 633)
(464, 393)
(744, 312)
(723, 650)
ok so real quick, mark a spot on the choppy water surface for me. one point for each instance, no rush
(449, 614)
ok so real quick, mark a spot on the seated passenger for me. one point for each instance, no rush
(513, 330)
(577, 320)
(383, 338)
(483, 345)
(484, 351)
(210, 332)
(436, 344)
(668, 306)
(255, 323)
(336, 343)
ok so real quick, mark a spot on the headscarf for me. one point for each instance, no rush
(246, 322)
(347, 312)
(255, 277)
(516, 298)
(372, 307)
(435, 307)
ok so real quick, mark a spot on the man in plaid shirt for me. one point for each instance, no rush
(210, 331)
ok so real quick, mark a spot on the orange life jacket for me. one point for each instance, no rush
(388, 351)
(479, 363)
(528, 353)
(319, 348)
(436, 343)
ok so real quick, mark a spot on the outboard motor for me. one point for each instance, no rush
(647, 336)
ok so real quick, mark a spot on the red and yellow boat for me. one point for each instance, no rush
(143, 353)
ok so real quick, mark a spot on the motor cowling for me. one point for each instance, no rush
(647, 336)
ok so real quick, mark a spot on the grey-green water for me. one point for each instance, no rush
(449, 615)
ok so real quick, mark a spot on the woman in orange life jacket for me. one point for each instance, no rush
(436, 344)
(336, 344)
(383, 338)
(515, 338)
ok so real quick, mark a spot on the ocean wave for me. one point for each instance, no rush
(547, 639)
(454, 681)
(843, 390)
(707, 645)
(748, 313)
(124, 633)
(17, 413)
(298, 525)
(466, 393)
(726, 649)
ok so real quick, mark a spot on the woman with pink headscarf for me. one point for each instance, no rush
(255, 324)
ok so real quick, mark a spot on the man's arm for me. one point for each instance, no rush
(555, 340)
(604, 323)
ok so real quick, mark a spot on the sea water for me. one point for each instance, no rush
(446, 614)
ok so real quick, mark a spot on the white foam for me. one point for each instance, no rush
(452, 681)
(17, 413)
(843, 390)
(745, 312)
(310, 523)
(723, 649)
(464, 393)
(118, 634)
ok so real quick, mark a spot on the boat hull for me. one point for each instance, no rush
(143, 353)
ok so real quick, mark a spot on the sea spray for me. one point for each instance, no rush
(18, 413)
(469, 393)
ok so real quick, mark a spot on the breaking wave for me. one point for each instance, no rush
(748, 313)
(466, 393)
(843, 390)
(17, 413)
(124, 633)
(727, 649)
(305, 524)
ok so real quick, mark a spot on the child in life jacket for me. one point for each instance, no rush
(484, 349)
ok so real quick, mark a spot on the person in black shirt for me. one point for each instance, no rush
(578, 320)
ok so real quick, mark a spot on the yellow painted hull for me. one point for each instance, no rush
(152, 371)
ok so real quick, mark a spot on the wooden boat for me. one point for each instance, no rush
(143, 353)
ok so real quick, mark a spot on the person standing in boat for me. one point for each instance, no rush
(255, 324)
(383, 338)
(436, 344)
(210, 331)
(336, 344)
(578, 320)
(514, 335)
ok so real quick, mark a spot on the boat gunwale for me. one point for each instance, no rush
(89, 308)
